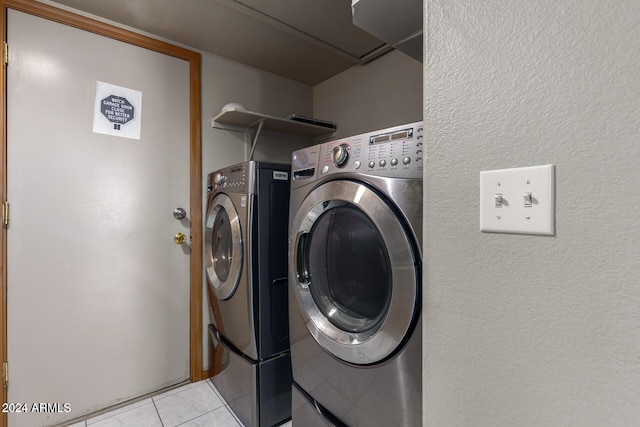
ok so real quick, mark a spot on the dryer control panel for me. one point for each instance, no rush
(396, 152)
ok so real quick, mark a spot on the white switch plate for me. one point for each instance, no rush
(513, 216)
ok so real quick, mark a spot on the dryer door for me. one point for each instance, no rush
(356, 272)
(223, 246)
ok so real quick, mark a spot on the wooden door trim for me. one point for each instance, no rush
(32, 7)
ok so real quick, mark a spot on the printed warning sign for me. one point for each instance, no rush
(117, 111)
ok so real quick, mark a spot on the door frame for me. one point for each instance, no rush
(52, 13)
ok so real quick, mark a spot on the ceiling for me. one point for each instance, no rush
(304, 40)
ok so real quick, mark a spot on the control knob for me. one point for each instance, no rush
(219, 179)
(340, 155)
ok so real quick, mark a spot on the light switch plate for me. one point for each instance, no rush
(504, 199)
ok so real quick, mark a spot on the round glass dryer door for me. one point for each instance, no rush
(356, 272)
(223, 246)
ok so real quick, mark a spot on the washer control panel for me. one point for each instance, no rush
(396, 152)
(232, 179)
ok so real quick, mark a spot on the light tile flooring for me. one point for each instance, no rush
(193, 405)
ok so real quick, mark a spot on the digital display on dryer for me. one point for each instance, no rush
(400, 135)
(393, 136)
(379, 139)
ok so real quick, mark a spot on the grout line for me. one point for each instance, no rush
(173, 391)
(198, 416)
(157, 412)
(190, 386)
(140, 402)
(130, 402)
(233, 414)
(119, 411)
(226, 404)
(216, 391)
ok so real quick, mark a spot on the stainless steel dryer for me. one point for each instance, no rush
(246, 267)
(355, 270)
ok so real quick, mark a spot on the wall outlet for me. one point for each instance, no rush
(518, 201)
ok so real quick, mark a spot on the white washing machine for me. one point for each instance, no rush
(355, 274)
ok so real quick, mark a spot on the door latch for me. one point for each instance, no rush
(5, 213)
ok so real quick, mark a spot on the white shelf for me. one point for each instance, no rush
(239, 119)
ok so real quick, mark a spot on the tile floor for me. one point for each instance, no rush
(193, 405)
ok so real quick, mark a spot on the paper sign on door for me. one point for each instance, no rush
(117, 111)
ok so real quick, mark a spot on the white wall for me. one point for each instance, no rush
(524, 330)
(225, 81)
(383, 93)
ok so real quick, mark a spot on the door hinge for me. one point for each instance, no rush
(5, 374)
(5, 53)
(5, 213)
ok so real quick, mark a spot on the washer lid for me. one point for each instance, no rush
(355, 272)
(223, 251)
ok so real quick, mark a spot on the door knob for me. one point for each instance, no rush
(179, 238)
(179, 213)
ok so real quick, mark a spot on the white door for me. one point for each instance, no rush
(98, 292)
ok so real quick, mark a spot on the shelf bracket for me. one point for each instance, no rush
(255, 139)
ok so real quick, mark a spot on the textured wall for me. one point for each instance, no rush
(524, 330)
(383, 93)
